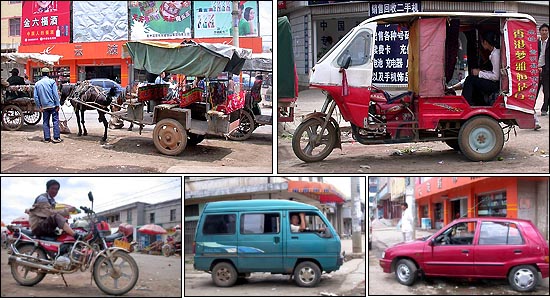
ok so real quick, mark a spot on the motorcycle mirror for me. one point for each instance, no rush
(91, 196)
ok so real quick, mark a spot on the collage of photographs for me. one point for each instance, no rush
(174, 149)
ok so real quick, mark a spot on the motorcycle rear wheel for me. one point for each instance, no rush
(107, 277)
(20, 273)
(167, 250)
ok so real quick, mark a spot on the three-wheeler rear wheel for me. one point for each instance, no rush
(305, 144)
(481, 138)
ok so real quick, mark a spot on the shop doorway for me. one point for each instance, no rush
(459, 208)
(109, 72)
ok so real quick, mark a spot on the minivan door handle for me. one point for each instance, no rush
(276, 239)
(294, 237)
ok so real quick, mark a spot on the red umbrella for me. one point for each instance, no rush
(24, 220)
(151, 229)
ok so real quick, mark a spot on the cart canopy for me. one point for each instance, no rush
(191, 59)
(286, 72)
(259, 62)
(23, 58)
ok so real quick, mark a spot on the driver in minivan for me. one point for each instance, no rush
(298, 223)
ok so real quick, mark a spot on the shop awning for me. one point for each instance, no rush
(191, 59)
(23, 58)
(325, 192)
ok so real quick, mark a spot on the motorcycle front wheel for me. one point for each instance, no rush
(118, 277)
(25, 275)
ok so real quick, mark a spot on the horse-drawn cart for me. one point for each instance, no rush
(190, 113)
(17, 101)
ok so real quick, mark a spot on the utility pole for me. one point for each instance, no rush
(356, 215)
(235, 24)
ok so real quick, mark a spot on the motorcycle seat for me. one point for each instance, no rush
(113, 237)
(392, 97)
(44, 238)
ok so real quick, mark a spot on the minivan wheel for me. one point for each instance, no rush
(307, 274)
(523, 278)
(224, 274)
(405, 272)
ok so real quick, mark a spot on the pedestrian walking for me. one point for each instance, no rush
(406, 222)
(46, 98)
(544, 67)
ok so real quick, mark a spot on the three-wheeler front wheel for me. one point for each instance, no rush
(305, 144)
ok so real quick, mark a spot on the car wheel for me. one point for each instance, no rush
(405, 272)
(307, 274)
(523, 278)
(224, 274)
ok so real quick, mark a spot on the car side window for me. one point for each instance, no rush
(109, 84)
(499, 233)
(358, 50)
(459, 234)
(219, 224)
(260, 223)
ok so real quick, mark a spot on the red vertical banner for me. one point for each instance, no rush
(45, 22)
(522, 58)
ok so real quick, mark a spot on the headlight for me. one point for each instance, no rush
(383, 254)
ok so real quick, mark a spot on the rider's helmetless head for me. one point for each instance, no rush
(52, 187)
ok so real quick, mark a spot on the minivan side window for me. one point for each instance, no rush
(260, 223)
(313, 222)
(219, 224)
(499, 233)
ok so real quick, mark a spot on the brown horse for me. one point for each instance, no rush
(94, 98)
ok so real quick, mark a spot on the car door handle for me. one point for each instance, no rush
(465, 251)
(294, 237)
(517, 251)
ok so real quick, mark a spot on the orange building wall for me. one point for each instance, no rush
(96, 53)
(469, 188)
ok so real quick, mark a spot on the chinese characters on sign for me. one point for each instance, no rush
(391, 44)
(160, 19)
(522, 58)
(45, 22)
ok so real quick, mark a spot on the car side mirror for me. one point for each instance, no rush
(431, 243)
(347, 62)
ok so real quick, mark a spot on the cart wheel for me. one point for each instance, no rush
(481, 138)
(245, 129)
(12, 117)
(32, 117)
(169, 137)
(303, 140)
(195, 139)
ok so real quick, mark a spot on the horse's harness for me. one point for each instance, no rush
(86, 86)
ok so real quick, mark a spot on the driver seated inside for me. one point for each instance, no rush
(43, 217)
(484, 82)
(298, 223)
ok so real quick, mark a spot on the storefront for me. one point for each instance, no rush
(89, 60)
(443, 199)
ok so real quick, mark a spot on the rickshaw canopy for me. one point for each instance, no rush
(259, 62)
(23, 58)
(191, 59)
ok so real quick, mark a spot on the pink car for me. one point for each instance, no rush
(474, 248)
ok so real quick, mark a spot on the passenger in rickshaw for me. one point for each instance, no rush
(484, 81)
(15, 79)
(255, 94)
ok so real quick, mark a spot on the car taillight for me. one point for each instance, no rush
(194, 244)
(546, 259)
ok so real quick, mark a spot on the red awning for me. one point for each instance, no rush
(325, 192)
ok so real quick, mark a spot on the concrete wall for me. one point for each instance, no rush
(533, 203)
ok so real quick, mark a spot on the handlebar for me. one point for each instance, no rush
(87, 210)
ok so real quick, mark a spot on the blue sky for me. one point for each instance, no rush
(18, 193)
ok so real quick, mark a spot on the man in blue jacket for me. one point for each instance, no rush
(46, 98)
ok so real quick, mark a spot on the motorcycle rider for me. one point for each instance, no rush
(177, 237)
(43, 217)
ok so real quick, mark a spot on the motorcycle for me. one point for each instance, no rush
(124, 238)
(114, 271)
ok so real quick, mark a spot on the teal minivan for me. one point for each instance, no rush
(236, 238)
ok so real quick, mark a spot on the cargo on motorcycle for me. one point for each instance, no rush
(115, 272)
